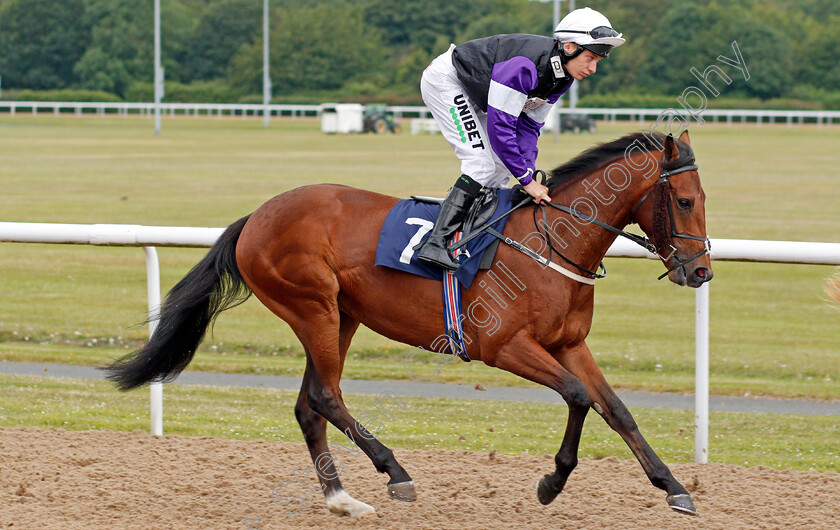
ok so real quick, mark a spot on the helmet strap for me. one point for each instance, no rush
(566, 57)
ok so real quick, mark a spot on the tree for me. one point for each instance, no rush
(420, 22)
(768, 57)
(819, 65)
(40, 41)
(382, 46)
(688, 35)
(309, 54)
(223, 29)
(625, 68)
(496, 23)
(121, 47)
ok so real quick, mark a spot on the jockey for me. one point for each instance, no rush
(490, 98)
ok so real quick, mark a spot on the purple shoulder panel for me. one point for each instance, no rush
(502, 132)
(518, 73)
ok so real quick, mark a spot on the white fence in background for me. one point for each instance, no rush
(167, 109)
(149, 237)
(730, 116)
(758, 117)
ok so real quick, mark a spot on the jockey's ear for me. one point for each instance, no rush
(671, 151)
(684, 137)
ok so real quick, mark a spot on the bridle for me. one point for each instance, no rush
(683, 165)
(664, 176)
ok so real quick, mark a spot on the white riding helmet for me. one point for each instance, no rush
(589, 29)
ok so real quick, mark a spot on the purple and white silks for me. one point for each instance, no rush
(514, 121)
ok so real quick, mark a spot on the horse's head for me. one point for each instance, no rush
(673, 216)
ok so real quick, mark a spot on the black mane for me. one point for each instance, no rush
(602, 154)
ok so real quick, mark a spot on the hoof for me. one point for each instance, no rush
(545, 493)
(403, 491)
(681, 503)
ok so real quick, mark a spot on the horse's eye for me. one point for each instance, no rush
(685, 204)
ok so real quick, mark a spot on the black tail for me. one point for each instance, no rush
(212, 286)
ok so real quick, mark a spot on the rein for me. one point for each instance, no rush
(643, 241)
(653, 247)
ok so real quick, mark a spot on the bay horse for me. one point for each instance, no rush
(308, 256)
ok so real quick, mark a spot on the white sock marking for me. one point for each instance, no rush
(342, 503)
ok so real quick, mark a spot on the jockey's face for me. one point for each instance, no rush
(584, 64)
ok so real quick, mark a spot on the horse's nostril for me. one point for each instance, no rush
(703, 274)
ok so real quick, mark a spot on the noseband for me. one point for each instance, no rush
(664, 174)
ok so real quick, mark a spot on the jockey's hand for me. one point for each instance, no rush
(537, 191)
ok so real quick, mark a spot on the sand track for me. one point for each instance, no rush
(104, 479)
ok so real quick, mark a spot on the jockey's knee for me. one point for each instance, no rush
(481, 171)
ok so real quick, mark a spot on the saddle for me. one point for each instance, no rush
(482, 209)
(476, 221)
(409, 219)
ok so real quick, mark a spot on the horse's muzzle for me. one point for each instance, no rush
(699, 276)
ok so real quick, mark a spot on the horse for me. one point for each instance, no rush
(308, 256)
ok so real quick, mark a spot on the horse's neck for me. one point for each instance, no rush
(601, 197)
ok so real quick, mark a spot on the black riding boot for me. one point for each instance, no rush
(452, 211)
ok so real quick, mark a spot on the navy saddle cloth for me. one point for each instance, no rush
(409, 221)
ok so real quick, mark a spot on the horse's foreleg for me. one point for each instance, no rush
(532, 362)
(579, 361)
(566, 459)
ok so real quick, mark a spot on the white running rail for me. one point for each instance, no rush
(642, 115)
(150, 237)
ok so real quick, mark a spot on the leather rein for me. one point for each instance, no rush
(643, 241)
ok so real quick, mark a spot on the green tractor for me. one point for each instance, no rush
(377, 120)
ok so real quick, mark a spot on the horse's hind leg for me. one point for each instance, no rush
(579, 361)
(314, 427)
(304, 292)
(323, 396)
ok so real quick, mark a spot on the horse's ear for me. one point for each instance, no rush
(671, 151)
(684, 137)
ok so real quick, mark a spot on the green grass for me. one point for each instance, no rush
(773, 333)
(763, 183)
(780, 441)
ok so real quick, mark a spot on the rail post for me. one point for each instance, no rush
(153, 296)
(701, 374)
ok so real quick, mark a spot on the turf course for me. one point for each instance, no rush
(773, 332)
(780, 441)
